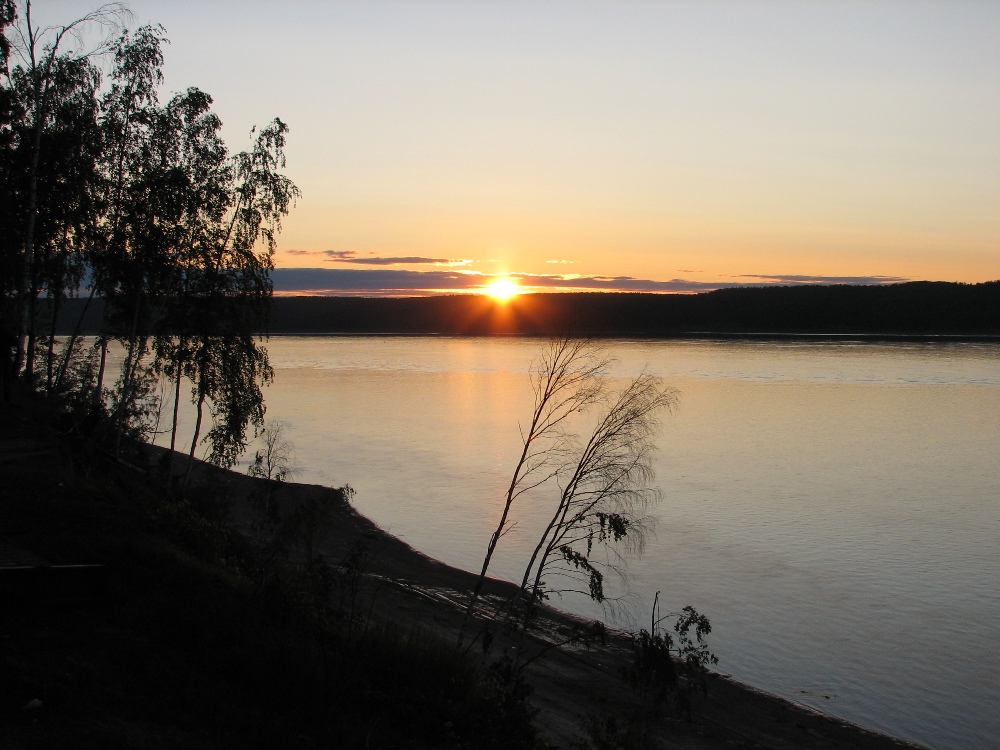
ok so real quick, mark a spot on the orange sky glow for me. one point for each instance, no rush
(597, 145)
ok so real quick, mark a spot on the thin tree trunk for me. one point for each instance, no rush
(197, 433)
(130, 392)
(50, 359)
(133, 347)
(26, 345)
(557, 521)
(173, 422)
(99, 391)
(72, 341)
(177, 399)
(27, 350)
(495, 538)
(128, 371)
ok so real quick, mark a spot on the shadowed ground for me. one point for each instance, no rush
(405, 587)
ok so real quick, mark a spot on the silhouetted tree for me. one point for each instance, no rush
(43, 92)
(203, 161)
(131, 263)
(144, 201)
(670, 662)
(604, 497)
(566, 380)
(231, 294)
(604, 484)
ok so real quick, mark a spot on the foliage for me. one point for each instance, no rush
(667, 670)
(671, 663)
(604, 497)
(142, 203)
(599, 516)
(603, 483)
(566, 381)
(273, 462)
(48, 128)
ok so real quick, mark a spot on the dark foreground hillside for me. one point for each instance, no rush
(133, 617)
(913, 309)
(199, 627)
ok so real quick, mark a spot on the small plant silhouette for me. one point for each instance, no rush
(671, 663)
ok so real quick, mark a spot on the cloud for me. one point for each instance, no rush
(394, 261)
(616, 283)
(561, 262)
(398, 282)
(328, 254)
(372, 282)
(793, 279)
(351, 256)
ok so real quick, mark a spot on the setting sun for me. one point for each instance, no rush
(502, 289)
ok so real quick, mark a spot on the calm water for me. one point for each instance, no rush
(833, 508)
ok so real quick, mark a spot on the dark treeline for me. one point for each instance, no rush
(915, 309)
(918, 308)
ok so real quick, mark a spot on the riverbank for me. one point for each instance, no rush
(573, 684)
(53, 502)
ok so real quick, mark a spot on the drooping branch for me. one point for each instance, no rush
(566, 381)
(605, 495)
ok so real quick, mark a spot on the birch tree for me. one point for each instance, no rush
(599, 488)
(177, 236)
(44, 55)
(232, 292)
(567, 380)
(601, 512)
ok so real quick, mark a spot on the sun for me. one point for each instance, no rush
(502, 289)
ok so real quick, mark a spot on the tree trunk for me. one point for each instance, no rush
(50, 359)
(64, 365)
(26, 350)
(131, 392)
(197, 433)
(26, 338)
(135, 352)
(495, 538)
(173, 422)
(99, 391)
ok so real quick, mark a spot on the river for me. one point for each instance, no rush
(833, 507)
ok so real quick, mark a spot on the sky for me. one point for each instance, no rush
(671, 146)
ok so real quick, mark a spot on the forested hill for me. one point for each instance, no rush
(914, 309)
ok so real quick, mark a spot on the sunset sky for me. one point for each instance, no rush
(660, 146)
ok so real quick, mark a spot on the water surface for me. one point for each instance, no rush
(833, 507)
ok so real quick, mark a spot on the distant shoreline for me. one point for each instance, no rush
(916, 311)
(929, 338)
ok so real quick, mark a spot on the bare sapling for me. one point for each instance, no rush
(599, 490)
(566, 380)
(601, 513)
(273, 462)
(270, 534)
